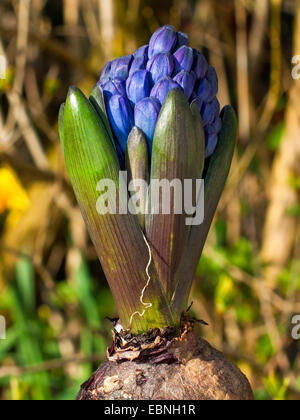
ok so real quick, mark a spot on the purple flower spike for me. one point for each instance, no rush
(138, 86)
(120, 68)
(120, 115)
(164, 39)
(184, 58)
(160, 66)
(162, 88)
(145, 117)
(186, 81)
(200, 65)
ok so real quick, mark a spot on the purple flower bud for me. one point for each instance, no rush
(160, 66)
(106, 71)
(205, 91)
(138, 86)
(139, 63)
(121, 118)
(212, 77)
(210, 111)
(120, 67)
(142, 52)
(184, 58)
(114, 87)
(162, 88)
(200, 65)
(211, 141)
(145, 116)
(182, 39)
(186, 81)
(164, 39)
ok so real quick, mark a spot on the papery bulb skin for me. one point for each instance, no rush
(204, 374)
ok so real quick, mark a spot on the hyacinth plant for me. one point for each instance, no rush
(156, 115)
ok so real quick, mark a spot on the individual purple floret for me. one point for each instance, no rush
(184, 58)
(160, 66)
(120, 67)
(164, 39)
(145, 117)
(120, 116)
(138, 86)
(162, 88)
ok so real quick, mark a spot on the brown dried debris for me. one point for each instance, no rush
(159, 366)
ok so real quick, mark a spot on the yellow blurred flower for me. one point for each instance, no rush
(12, 195)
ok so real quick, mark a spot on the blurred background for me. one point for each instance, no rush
(53, 293)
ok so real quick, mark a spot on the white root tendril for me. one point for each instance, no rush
(147, 305)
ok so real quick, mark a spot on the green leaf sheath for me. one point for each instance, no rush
(90, 157)
(200, 137)
(215, 180)
(175, 155)
(137, 165)
(98, 102)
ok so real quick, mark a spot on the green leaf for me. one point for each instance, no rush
(201, 137)
(98, 102)
(175, 158)
(137, 165)
(90, 158)
(215, 180)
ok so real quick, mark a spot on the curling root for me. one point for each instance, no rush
(146, 305)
